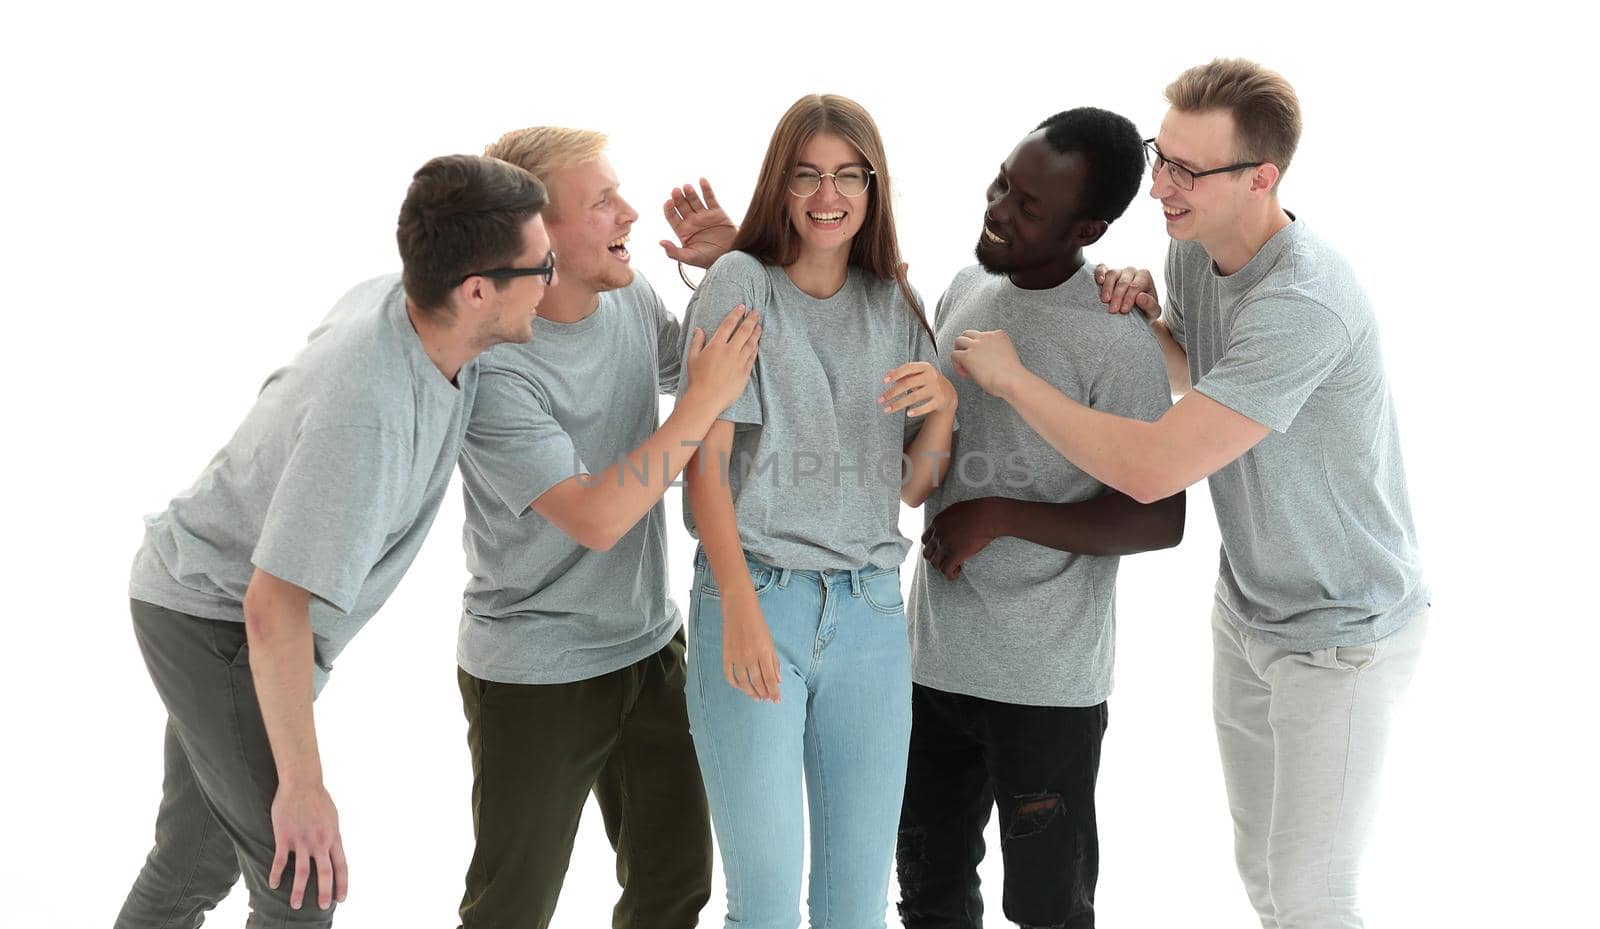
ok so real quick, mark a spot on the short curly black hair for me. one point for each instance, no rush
(1112, 149)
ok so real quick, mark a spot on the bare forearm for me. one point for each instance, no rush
(282, 658)
(1110, 524)
(1176, 358)
(930, 457)
(1124, 454)
(618, 497)
(710, 499)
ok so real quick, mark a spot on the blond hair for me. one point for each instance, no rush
(1265, 110)
(539, 150)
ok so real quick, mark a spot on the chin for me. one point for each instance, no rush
(614, 277)
(987, 262)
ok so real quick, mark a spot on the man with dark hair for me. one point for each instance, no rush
(1320, 607)
(1013, 616)
(253, 580)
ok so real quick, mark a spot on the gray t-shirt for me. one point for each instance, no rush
(330, 483)
(823, 460)
(1318, 546)
(540, 608)
(1025, 623)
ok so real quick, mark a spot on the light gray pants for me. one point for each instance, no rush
(216, 795)
(1302, 736)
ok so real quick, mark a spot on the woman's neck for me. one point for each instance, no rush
(820, 274)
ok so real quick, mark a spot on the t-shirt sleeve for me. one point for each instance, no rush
(1171, 308)
(736, 278)
(1133, 378)
(328, 522)
(1280, 349)
(670, 349)
(514, 445)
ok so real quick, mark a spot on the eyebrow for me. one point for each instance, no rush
(1180, 162)
(848, 164)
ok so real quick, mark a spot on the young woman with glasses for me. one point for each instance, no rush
(799, 685)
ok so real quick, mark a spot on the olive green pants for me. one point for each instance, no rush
(538, 750)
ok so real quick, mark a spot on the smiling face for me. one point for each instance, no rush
(827, 220)
(1215, 208)
(508, 310)
(589, 225)
(1033, 228)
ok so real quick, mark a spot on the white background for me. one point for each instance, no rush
(188, 189)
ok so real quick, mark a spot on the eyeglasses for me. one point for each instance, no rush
(849, 182)
(1182, 176)
(547, 270)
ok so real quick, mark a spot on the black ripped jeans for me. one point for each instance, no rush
(1037, 764)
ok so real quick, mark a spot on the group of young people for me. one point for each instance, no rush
(1032, 418)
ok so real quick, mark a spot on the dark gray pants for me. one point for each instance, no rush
(216, 797)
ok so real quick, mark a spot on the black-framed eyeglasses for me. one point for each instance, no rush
(1185, 177)
(849, 182)
(546, 270)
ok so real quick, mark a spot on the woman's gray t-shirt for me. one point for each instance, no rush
(816, 464)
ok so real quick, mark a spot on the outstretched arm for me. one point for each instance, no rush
(1109, 524)
(1148, 461)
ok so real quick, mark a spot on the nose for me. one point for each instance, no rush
(998, 211)
(627, 215)
(1161, 183)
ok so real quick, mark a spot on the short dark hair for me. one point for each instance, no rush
(1112, 151)
(462, 213)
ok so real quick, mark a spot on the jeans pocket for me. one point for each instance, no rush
(882, 592)
(761, 576)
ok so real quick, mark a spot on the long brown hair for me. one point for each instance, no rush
(766, 232)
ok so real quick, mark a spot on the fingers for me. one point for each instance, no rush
(1107, 279)
(673, 252)
(693, 196)
(302, 873)
(710, 195)
(697, 341)
(907, 370)
(770, 679)
(960, 369)
(749, 330)
(751, 349)
(324, 881)
(1119, 291)
(1148, 303)
(669, 209)
(341, 871)
(730, 324)
(280, 859)
(916, 396)
(736, 678)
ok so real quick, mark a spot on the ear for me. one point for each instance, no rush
(472, 292)
(1089, 231)
(1263, 180)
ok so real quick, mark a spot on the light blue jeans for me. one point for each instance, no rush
(844, 723)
